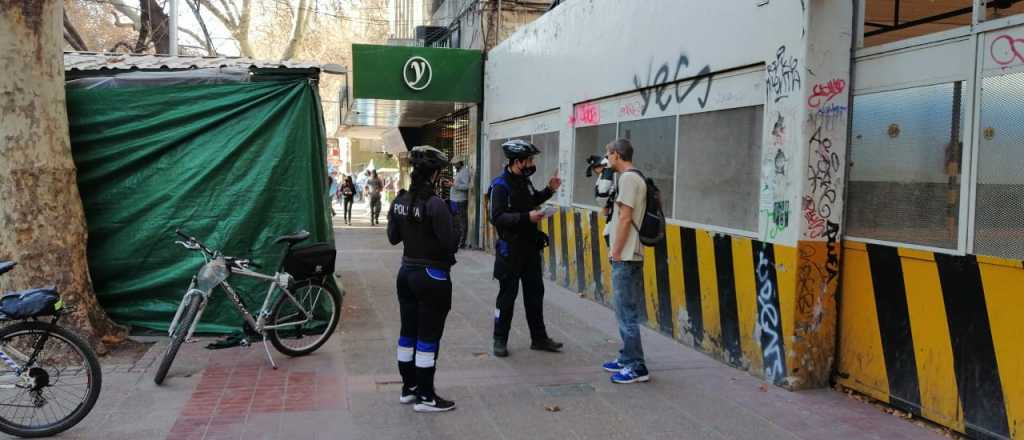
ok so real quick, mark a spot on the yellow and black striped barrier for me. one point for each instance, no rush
(935, 335)
(700, 287)
(930, 333)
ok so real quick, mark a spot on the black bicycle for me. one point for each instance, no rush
(49, 377)
(296, 322)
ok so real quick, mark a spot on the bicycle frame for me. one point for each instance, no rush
(279, 280)
(30, 359)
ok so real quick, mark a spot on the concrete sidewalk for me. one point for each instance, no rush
(349, 388)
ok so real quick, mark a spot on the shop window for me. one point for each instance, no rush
(999, 207)
(886, 21)
(589, 141)
(547, 161)
(654, 145)
(995, 9)
(904, 180)
(719, 167)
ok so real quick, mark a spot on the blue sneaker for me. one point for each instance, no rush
(613, 366)
(631, 375)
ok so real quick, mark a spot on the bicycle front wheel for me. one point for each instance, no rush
(52, 392)
(178, 337)
(302, 325)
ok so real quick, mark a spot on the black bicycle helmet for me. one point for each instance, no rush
(518, 149)
(425, 156)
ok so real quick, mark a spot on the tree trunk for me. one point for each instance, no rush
(154, 25)
(298, 29)
(42, 224)
(241, 33)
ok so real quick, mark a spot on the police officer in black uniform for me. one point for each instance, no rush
(422, 220)
(514, 213)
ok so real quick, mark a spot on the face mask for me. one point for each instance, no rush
(528, 171)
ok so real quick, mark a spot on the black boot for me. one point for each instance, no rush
(500, 348)
(546, 344)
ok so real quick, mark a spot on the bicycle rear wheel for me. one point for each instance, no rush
(178, 337)
(53, 392)
(299, 336)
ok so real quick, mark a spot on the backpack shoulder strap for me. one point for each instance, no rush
(500, 181)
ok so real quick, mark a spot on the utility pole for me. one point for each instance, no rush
(172, 33)
(497, 34)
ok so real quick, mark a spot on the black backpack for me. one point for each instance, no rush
(652, 227)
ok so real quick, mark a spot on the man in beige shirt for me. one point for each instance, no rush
(627, 262)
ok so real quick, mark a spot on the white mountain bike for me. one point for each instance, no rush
(296, 321)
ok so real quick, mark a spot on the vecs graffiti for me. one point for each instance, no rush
(657, 87)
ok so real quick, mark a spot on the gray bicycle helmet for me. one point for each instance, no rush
(425, 156)
(519, 149)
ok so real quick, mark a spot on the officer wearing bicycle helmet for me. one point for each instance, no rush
(514, 212)
(421, 220)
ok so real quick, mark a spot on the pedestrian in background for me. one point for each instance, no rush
(375, 187)
(348, 195)
(460, 196)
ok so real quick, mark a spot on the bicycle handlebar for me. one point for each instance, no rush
(193, 240)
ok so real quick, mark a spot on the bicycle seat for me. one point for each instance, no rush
(6, 266)
(292, 238)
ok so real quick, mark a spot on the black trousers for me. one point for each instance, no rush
(424, 299)
(531, 276)
(347, 205)
(374, 209)
(462, 221)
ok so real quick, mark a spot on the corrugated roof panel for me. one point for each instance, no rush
(119, 61)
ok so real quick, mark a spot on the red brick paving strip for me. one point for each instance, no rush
(228, 394)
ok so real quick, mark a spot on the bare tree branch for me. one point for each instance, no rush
(298, 29)
(127, 45)
(208, 42)
(72, 36)
(231, 9)
(128, 11)
(228, 21)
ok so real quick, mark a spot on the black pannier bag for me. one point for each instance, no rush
(28, 304)
(312, 262)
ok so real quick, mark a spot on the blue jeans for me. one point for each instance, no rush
(628, 289)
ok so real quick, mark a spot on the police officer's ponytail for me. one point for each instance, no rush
(421, 189)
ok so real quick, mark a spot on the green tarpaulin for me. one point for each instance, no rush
(235, 165)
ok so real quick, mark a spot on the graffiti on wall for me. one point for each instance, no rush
(1007, 50)
(824, 92)
(631, 109)
(783, 76)
(821, 175)
(827, 115)
(769, 321)
(656, 87)
(585, 114)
